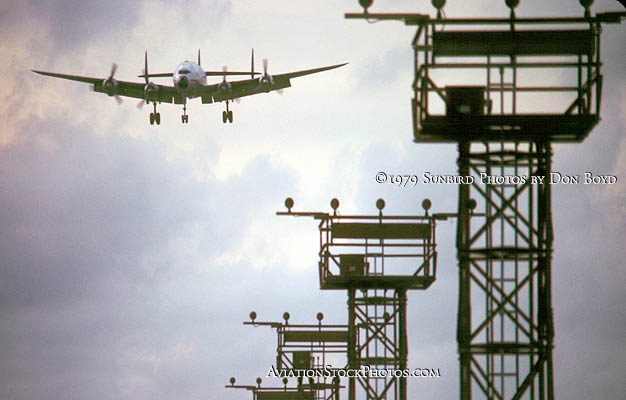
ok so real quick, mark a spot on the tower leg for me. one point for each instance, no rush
(504, 251)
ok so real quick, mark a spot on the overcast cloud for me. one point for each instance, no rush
(130, 254)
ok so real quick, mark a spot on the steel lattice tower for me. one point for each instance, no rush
(376, 259)
(504, 234)
(505, 332)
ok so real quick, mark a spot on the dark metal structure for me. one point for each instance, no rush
(376, 259)
(306, 352)
(476, 86)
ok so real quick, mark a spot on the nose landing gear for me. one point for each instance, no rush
(184, 118)
(227, 115)
(155, 117)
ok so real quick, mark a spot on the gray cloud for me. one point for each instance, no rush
(108, 281)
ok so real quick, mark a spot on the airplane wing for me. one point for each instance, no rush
(249, 87)
(166, 94)
(206, 73)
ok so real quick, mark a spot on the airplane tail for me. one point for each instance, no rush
(145, 66)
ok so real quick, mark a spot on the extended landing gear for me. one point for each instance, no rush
(227, 115)
(155, 116)
(184, 118)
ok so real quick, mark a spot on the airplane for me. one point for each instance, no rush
(190, 82)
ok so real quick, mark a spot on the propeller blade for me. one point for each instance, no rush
(119, 99)
(280, 91)
(140, 104)
(265, 66)
(238, 100)
(113, 69)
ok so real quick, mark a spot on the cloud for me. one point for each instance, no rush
(131, 253)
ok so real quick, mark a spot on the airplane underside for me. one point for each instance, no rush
(155, 117)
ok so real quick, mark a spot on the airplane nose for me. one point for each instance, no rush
(183, 82)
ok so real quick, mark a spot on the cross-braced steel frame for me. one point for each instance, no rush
(505, 329)
(505, 324)
(376, 259)
(377, 322)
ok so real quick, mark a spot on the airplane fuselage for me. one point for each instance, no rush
(189, 78)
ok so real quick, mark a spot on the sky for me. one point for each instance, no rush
(130, 254)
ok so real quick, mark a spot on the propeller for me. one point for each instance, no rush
(224, 70)
(224, 85)
(111, 84)
(150, 90)
(267, 78)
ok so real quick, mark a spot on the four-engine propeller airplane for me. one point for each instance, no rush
(190, 82)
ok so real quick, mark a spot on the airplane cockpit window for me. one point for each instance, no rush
(183, 71)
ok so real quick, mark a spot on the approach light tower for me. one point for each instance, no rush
(476, 85)
(376, 259)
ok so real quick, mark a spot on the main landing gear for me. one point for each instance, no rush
(184, 118)
(155, 116)
(227, 115)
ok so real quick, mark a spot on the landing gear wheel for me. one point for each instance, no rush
(152, 118)
(230, 116)
(224, 116)
(157, 118)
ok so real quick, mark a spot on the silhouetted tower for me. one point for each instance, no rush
(376, 259)
(504, 90)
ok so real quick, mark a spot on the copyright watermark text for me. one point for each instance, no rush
(363, 372)
(411, 180)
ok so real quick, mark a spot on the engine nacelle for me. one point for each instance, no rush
(151, 92)
(225, 86)
(110, 86)
(265, 82)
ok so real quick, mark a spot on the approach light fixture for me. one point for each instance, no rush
(426, 204)
(289, 203)
(380, 204)
(365, 4)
